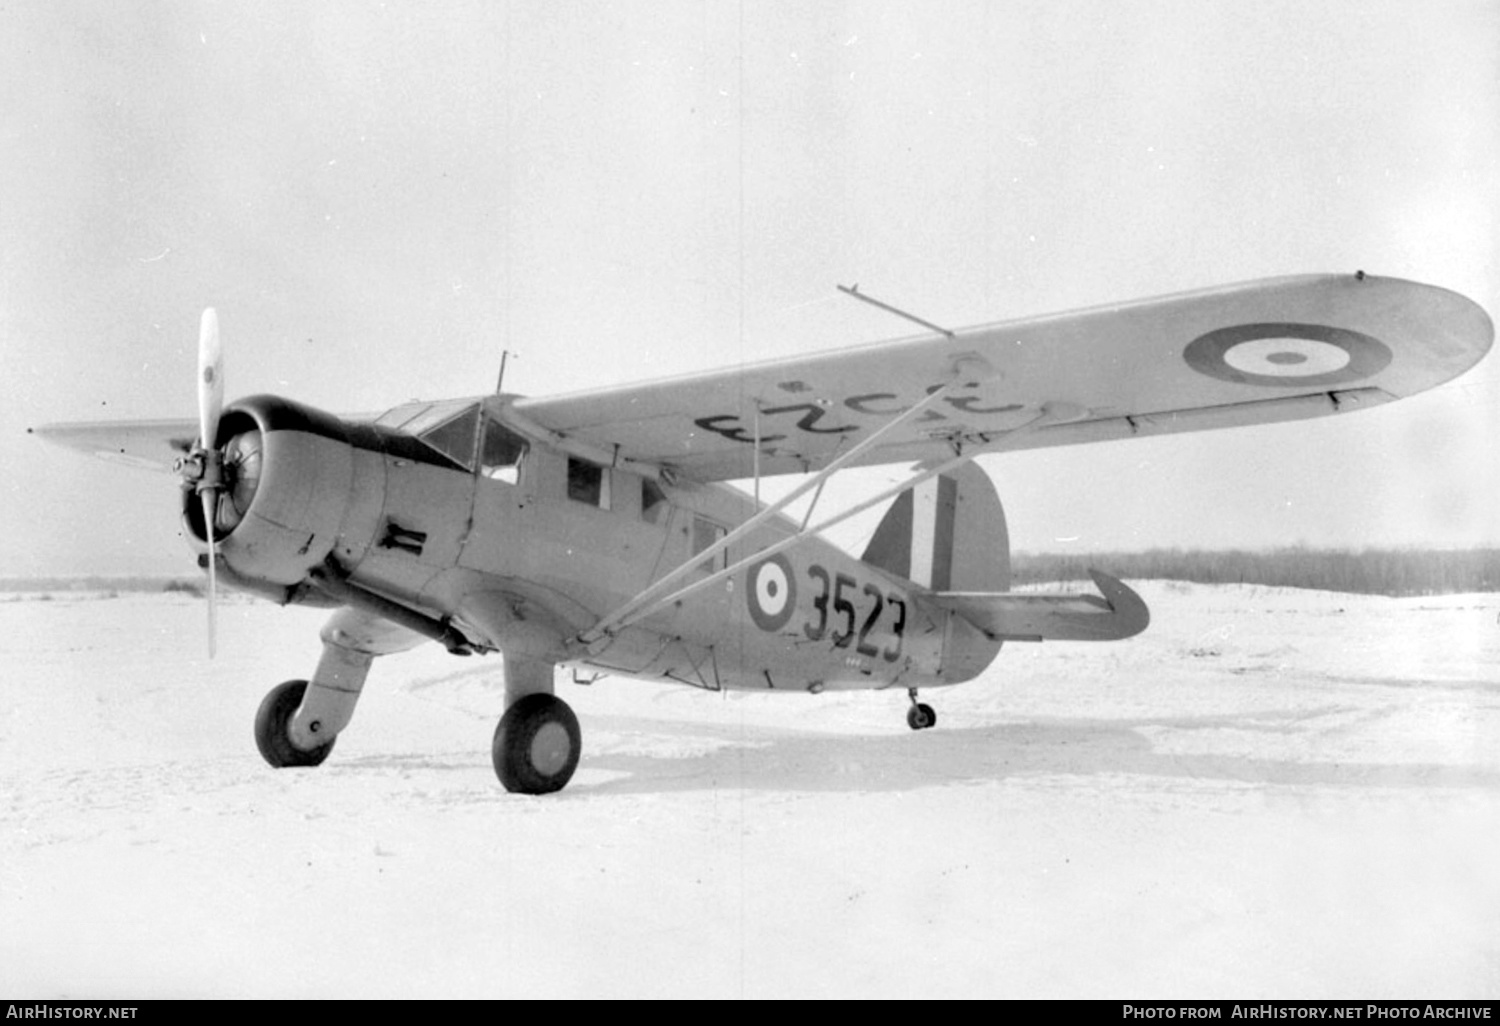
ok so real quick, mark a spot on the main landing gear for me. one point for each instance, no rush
(920, 716)
(273, 722)
(536, 745)
(535, 749)
(537, 741)
(298, 721)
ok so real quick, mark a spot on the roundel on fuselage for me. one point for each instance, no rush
(771, 593)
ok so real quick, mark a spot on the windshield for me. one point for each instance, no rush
(401, 414)
(447, 427)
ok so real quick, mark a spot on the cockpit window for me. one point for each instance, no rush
(448, 428)
(500, 458)
(394, 418)
(452, 430)
(454, 437)
(436, 414)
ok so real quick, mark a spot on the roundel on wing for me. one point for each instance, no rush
(1287, 354)
(771, 593)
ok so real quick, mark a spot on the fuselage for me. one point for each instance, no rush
(454, 511)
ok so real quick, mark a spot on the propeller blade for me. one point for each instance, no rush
(210, 407)
(210, 379)
(209, 498)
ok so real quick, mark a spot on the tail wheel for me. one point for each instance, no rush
(536, 745)
(920, 716)
(272, 728)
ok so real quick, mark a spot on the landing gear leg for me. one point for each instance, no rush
(298, 721)
(537, 741)
(920, 716)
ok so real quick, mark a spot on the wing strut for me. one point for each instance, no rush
(652, 600)
(649, 600)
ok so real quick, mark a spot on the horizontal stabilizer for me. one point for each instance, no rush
(1120, 613)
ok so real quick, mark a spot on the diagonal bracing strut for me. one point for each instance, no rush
(647, 599)
(654, 598)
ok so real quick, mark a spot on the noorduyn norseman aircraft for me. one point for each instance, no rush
(595, 530)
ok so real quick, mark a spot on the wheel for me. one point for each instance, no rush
(920, 716)
(272, 723)
(536, 745)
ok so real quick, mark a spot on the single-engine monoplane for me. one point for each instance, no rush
(598, 531)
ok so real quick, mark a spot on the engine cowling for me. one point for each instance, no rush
(286, 494)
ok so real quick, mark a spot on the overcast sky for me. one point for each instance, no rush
(379, 199)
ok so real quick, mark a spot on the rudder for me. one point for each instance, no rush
(946, 533)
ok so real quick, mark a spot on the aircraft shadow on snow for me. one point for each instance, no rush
(765, 759)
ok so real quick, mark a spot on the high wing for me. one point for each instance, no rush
(1273, 350)
(144, 444)
(147, 444)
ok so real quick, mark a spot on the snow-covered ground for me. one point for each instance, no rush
(1271, 793)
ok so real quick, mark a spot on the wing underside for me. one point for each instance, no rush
(1275, 350)
(147, 444)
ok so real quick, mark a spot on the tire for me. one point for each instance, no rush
(536, 747)
(921, 716)
(272, 728)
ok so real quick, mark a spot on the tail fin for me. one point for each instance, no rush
(947, 534)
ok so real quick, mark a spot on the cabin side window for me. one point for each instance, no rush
(588, 482)
(653, 501)
(501, 454)
(706, 533)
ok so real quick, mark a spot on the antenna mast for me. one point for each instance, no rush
(500, 384)
(854, 291)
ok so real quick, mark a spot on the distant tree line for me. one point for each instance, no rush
(85, 583)
(1366, 571)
